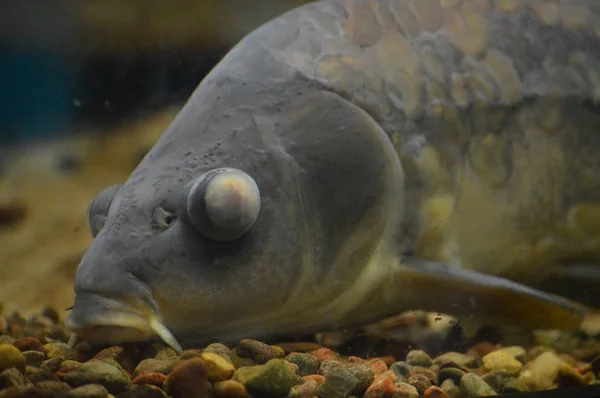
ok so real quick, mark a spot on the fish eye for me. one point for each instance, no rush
(98, 208)
(223, 204)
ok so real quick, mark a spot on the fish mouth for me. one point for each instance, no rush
(113, 320)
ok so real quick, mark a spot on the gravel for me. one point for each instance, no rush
(36, 361)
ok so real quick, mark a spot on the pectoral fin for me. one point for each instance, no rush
(485, 299)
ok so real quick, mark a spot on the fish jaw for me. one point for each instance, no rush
(106, 319)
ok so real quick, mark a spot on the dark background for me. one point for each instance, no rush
(67, 65)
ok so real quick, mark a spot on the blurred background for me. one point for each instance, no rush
(86, 88)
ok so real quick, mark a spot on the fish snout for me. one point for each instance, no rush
(104, 319)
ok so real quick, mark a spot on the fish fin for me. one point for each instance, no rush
(485, 299)
(579, 282)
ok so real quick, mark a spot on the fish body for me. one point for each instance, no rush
(384, 156)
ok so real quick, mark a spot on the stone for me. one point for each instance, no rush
(142, 391)
(36, 375)
(324, 354)
(401, 368)
(188, 380)
(53, 364)
(418, 358)
(516, 351)
(229, 389)
(450, 388)
(70, 364)
(362, 371)
(99, 372)
(11, 357)
(271, 379)
(53, 386)
(435, 392)
(293, 367)
(307, 364)
(299, 346)
(501, 360)
(29, 344)
(378, 366)
(453, 374)
(217, 368)
(154, 378)
(167, 354)
(260, 352)
(473, 386)
(425, 372)
(12, 377)
(306, 390)
(419, 381)
(34, 358)
(153, 365)
(455, 360)
(319, 379)
(497, 379)
(568, 376)
(481, 349)
(514, 386)
(536, 351)
(338, 384)
(220, 349)
(88, 391)
(113, 352)
(387, 385)
(190, 353)
(540, 373)
(62, 350)
(5, 338)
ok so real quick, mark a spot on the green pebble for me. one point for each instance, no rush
(473, 386)
(514, 386)
(401, 368)
(143, 391)
(450, 388)
(34, 358)
(166, 354)
(88, 391)
(307, 364)
(98, 372)
(338, 384)
(418, 358)
(275, 378)
(12, 378)
(54, 350)
(497, 378)
(453, 374)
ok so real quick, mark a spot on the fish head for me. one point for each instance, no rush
(264, 200)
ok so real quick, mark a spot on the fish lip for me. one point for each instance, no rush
(94, 310)
(114, 319)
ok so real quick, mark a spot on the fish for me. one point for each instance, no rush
(353, 159)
